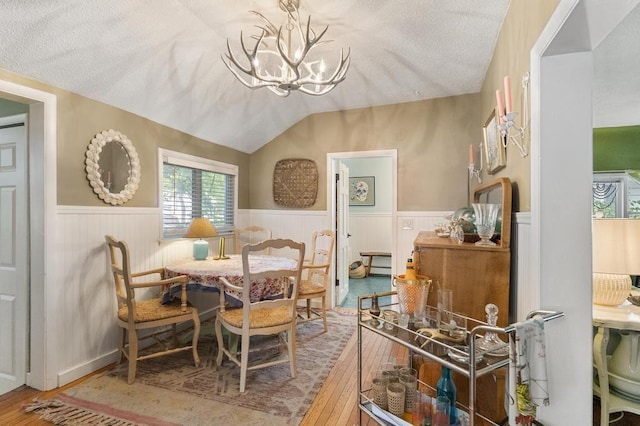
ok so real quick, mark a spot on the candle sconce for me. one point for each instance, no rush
(473, 172)
(510, 131)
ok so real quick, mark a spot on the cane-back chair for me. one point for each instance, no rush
(264, 317)
(135, 314)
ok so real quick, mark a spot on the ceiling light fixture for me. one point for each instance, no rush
(281, 59)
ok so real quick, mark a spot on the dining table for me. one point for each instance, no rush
(205, 275)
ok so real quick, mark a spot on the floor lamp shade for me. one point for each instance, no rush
(200, 228)
(616, 256)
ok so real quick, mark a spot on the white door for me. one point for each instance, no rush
(342, 271)
(13, 252)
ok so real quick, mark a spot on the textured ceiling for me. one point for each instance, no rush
(161, 58)
(616, 86)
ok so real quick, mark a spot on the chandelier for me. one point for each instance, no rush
(282, 59)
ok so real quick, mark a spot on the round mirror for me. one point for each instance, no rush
(113, 167)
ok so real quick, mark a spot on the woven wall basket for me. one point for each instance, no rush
(295, 182)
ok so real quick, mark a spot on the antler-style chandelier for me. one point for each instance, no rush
(281, 59)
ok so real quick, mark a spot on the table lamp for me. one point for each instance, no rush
(200, 228)
(616, 255)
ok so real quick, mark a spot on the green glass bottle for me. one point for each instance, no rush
(446, 387)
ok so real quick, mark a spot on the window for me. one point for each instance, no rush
(195, 187)
(616, 194)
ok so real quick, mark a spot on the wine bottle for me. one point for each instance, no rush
(446, 387)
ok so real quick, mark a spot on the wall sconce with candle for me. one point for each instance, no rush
(473, 172)
(510, 131)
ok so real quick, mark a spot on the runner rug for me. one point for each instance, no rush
(170, 390)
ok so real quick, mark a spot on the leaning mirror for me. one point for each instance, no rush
(113, 167)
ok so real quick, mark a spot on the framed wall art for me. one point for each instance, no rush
(362, 191)
(493, 145)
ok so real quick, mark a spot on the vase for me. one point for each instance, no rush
(486, 215)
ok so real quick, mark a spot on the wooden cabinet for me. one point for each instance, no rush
(478, 275)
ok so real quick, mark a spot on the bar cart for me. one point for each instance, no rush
(470, 362)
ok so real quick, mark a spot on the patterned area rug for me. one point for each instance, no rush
(169, 390)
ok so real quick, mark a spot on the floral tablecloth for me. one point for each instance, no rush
(205, 274)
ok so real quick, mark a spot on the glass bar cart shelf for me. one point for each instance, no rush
(431, 345)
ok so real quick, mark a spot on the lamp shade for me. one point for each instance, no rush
(200, 227)
(616, 246)
(616, 255)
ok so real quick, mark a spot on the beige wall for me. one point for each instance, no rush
(522, 27)
(80, 119)
(432, 137)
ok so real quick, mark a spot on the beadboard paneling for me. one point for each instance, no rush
(408, 226)
(84, 286)
(85, 289)
(297, 225)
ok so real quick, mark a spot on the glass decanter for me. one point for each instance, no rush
(490, 342)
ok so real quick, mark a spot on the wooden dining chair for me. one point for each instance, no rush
(264, 317)
(135, 314)
(316, 274)
(251, 235)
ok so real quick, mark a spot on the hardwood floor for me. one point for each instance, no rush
(335, 404)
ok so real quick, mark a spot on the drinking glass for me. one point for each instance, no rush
(445, 314)
(395, 398)
(441, 411)
(409, 378)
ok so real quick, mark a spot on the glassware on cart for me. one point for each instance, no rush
(445, 313)
(490, 342)
(374, 310)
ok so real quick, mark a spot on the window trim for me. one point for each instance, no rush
(188, 160)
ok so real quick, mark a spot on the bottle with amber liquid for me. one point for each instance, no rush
(410, 273)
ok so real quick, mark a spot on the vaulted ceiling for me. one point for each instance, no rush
(161, 59)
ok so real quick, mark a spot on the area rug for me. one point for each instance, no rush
(170, 390)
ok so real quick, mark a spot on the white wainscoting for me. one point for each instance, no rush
(408, 226)
(297, 225)
(88, 335)
(85, 303)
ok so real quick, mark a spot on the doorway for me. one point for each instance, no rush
(14, 220)
(388, 188)
(39, 352)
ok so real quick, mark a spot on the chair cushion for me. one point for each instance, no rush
(309, 287)
(153, 309)
(258, 318)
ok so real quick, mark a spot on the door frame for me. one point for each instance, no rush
(332, 159)
(42, 135)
